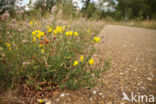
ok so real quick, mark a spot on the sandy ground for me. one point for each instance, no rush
(133, 57)
(132, 52)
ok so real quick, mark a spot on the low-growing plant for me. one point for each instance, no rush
(58, 55)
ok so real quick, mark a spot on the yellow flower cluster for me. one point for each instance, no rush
(75, 63)
(76, 33)
(91, 61)
(8, 45)
(70, 33)
(38, 34)
(55, 32)
(34, 39)
(49, 28)
(59, 29)
(97, 39)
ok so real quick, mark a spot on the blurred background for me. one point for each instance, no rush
(109, 10)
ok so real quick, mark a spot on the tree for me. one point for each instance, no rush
(89, 8)
(137, 8)
(6, 5)
(44, 4)
(86, 3)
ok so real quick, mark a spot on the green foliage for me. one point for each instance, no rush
(136, 8)
(7, 5)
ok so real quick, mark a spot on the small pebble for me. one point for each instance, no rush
(91, 99)
(149, 79)
(121, 73)
(94, 92)
(48, 102)
(62, 95)
(100, 94)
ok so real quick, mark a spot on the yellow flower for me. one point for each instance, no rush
(40, 34)
(97, 39)
(41, 45)
(55, 32)
(50, 30)
(59, 29)
(76, 33)
(69, 33)
(42, 51)
(91, 61)
(31, 23)
(34, 32)
(81, 58)
(40, 101)
(34, 39)
(7, 44)
(75, 63)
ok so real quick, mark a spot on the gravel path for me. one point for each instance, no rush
(132, 52)
(133, 57)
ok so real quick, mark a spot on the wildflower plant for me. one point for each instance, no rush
(54, 53)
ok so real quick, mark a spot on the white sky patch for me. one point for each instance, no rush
(25, 2)
(79, 3)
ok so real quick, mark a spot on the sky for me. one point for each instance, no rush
(25, 2)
